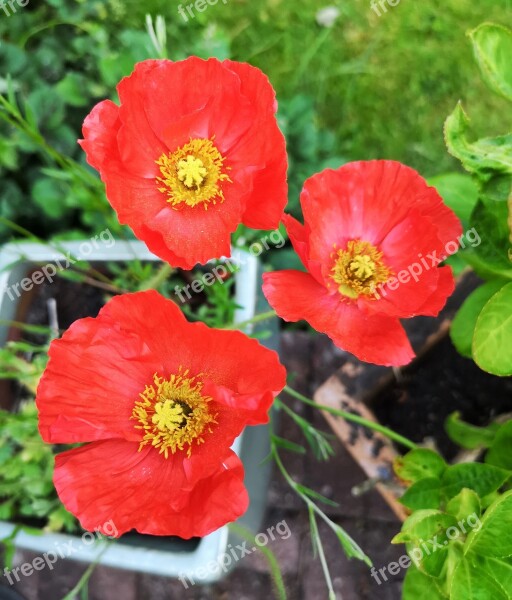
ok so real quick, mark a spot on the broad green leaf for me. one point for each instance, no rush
(492, 340)
(425, 525)
(458, 191)
(493, 537)
(483, 479)
(423, 494)
(429, 558)
(418, 464)
(73, 89)
(471, 581)
(500, 452)
(463, 325)
(498, 188)
(489, 219)
(418, 586)
(500, 569)
(482, 157)
(49, 195)
(469, 436)
(465, 504)
(427, 536)
(492, 45)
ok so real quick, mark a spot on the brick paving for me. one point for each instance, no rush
(312, 359)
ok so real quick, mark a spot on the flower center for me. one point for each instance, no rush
(173, 413)
(193, 174)
(358, 269)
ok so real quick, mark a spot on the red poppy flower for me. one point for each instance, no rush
(373, 236)
(192, 151)
(161, 401)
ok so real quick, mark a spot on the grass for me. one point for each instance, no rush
(384, 84)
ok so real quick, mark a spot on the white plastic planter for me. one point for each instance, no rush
(159, 556)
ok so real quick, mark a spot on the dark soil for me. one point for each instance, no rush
(442, 383)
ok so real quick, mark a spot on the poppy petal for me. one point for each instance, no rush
(84, 393)
(372, 338)
(100, 130)
(146, 492)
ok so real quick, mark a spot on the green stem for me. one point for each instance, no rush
(354, 418)
(256, 319)
(312, 506)
(68, 164)
(160, 276)
(275, 571)
(84, 580)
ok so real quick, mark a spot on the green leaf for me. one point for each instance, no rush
(492, 340)
(500, 569)
(492, 45)
(458, 191)
(49, 195)
(73, 89)
(423, 494)
(469, 436)
(490, 258)
(482, 157)
(497, 189)
(493, 537)
(500, 452)
(425, 525)
(471, 581)
(315, 495)
(465, 504)
(426, 537)
(481, 478)
(418, 464)
(288, 445)
(463, 325)
(418, 586)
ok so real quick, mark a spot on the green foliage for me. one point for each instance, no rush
(459, 192)
(418, 464)
(464, 323)
(492, 339)
(492, 45)
(482, 329)
(469, 436)
(458, 533)
(310, 497)
(310, 148)
(26, 471)
(14, 366)
(57, 60)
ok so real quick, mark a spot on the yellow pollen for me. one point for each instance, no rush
(193, 174)
(173, 413)
(358, 269)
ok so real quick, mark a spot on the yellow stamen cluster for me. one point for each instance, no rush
(173, 413)
(193, 174)
(358, 269)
